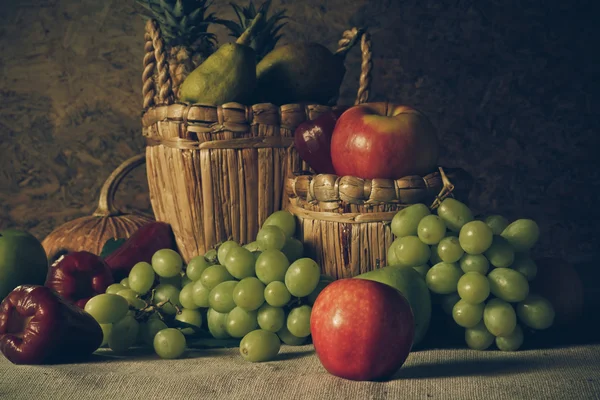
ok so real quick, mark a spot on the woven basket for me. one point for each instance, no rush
(344, 222)
(216, 173)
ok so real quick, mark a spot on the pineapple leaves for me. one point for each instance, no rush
(178, 10)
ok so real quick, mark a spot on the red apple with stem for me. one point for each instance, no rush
(383, 140)
(362, 330)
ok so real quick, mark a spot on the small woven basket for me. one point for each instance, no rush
(344, 222)
(216, 173)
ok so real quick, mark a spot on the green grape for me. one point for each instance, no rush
(212, 256)
(185, 280)
(240, 262)
(512, 341)
(473, 287)
(406, 221)
(186, 297)
(443, 277)
(252, 246)
(293, 249)
(114, 288)
(271, 265)
(298, 321)
(497, 223)
(196, 267)
(434, 258)
(478, 337)
(167, 263)
(431, 229)
(217, 324)
(123, 334)
(466, 314)
(270, 318)
(224, 248)
(191, 317)
(508, 284)
(449, 249)
(422, 270)
(169, 343)
(106, 329)
(132, 298)
(525, 265)
(141, 277)
(287, 338)
(220, 297)
(249, 293)
(536, 312)
(409, 251)
(256, 254)
(277, 294)
(499, 317)
(283, 220)
(270, 237)
(239, 322)
(173, 281)
(500, 254)
(475, 237)
(474, 263)
(522, 234)
(215, 274)
(448, 301)
(165, 292)
(454, 213)
(107, 308)
(302, 277)
(200, 294)
(260, 345)
(125, 282)
(150, 328)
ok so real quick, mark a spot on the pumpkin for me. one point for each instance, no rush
(107, 222)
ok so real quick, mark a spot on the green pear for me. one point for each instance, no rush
(410, 283)
(228, 75)
(22, 261)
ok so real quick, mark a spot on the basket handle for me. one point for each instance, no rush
(348, 40)
(155, 59)
(106, 207)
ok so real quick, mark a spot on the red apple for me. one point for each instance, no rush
(362, 330)
(383, 140)
(312, 140)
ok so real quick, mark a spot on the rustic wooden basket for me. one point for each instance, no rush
(344, 222)
(216, 173)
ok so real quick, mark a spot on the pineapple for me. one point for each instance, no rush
(267, 33)
(184, 25)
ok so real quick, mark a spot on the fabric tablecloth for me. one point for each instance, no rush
(570, 372)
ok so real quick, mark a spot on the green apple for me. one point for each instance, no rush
(410, 283)
(22, 261)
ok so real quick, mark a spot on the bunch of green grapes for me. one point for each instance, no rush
(261, 293)
(479, 268)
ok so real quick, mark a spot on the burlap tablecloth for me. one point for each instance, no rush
(571, 372)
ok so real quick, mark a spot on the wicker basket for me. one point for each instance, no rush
(344, 222)
(216, 173)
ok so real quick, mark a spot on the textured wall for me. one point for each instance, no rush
(509, 84)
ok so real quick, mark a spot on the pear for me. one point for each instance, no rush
(410, 283)
(300, 72)
(228, 75)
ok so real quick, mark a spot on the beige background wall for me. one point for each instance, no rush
(509, 84)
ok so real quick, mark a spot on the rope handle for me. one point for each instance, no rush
(106, 207)
(348, 40)
(155, 58)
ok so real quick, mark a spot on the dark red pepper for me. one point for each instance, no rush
(312, 140)
(141, 246)
(79, 276)
(37, 326)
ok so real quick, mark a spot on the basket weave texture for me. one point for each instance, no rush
(216, 172)
(344, 222)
